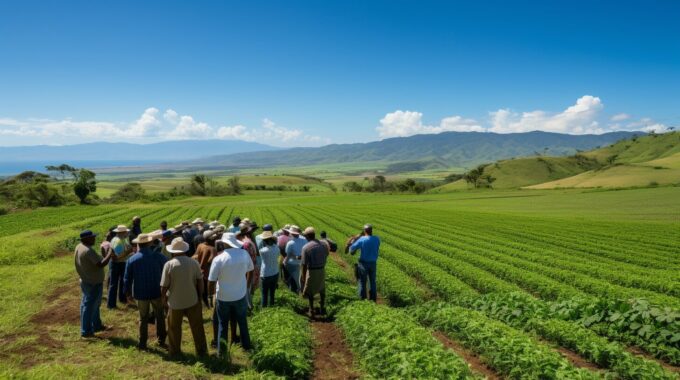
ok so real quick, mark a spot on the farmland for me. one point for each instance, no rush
(499, 284)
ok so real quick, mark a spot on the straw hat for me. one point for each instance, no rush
(309, 231)
(294, 230)
(143, 239)
(207, 234)
(158, 234)
(198, 221)
(267, 235)
(121, 228)
(177, 246)
(230, 239)
(179, 227)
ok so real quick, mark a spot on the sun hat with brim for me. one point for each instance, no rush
(230, 239)
(198, 221)
(178, 245)
(309, 231)
(156, 234)
(179, 227)
(214, 223)
(87, 234)
(267, 235)
(143, 239)
(208, 234)
(121, 228)
(295, 230)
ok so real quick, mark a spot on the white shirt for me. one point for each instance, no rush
(229, 270)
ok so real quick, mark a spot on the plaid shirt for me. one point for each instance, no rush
(143, 274)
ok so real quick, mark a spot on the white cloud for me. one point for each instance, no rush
(408, 123)
(149, 127)
(620, 117)
(581, 118)
(171, 116)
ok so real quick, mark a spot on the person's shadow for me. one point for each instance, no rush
(212, 363)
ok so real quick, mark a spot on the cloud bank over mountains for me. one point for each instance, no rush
(584, 117)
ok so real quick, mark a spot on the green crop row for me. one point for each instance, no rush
(282, 342)
(510, 352)
(388, 344)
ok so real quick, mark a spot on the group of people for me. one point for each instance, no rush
(174, 272)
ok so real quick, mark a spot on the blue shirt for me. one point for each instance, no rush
(143, 274)
(369, 246)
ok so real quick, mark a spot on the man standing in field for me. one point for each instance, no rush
(233, 271)
(313, 278)
(234, 228)
(181, 285)
(136, 227)
(281, 241)
(122, 248)
(142, 276)
(90, 268)
(367, 267)
(293, 255)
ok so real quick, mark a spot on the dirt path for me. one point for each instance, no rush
(332, 357)
(470, 357)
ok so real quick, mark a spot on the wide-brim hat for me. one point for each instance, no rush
(178, 245)
(309, 231)
(295, 230)
(198, 221)
(230, 239)
(121, 228)
(267, 235)
(207, 234)
(180, 227)
(143, 239)
(158, 234)
(87, 234)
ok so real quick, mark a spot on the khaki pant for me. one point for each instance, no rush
(195, 316)
(144, 306)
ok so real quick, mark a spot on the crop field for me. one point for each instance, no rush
(497, 284)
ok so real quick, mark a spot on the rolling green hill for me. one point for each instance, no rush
(640, 161)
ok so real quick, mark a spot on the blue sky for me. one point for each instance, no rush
(293, 73)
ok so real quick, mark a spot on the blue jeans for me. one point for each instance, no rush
(367, 271)
(90, 321)
(268, 286)
(116, 273)
(225, 311)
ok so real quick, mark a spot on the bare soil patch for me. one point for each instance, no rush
(577, 360)
(63, 310)
(332, 357)
(639, 352)
(470, 357)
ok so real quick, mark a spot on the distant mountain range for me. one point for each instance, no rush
(444, 150)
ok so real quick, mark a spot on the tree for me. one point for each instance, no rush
(352, 186)
(199, 183)
(62, 169)
(234, 185)
(473, 176)
(84, 184)
(129, 192)
(379, 183)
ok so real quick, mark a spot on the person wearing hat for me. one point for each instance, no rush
(269, 270)
(235, 225)
(313, 276)
(265, 228)
(188, 234)
(281, 241)
(293, 256)
(245, 236)
(369, 246)
(123, 249)
(142, 276)
(233, 270)
(181, 283)
(204, 252)
(166, 239)
(90, 268)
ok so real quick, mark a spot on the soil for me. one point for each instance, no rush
(63, 310)
(577, 360)
(470, 357)
(639, 352)
(332, 357)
